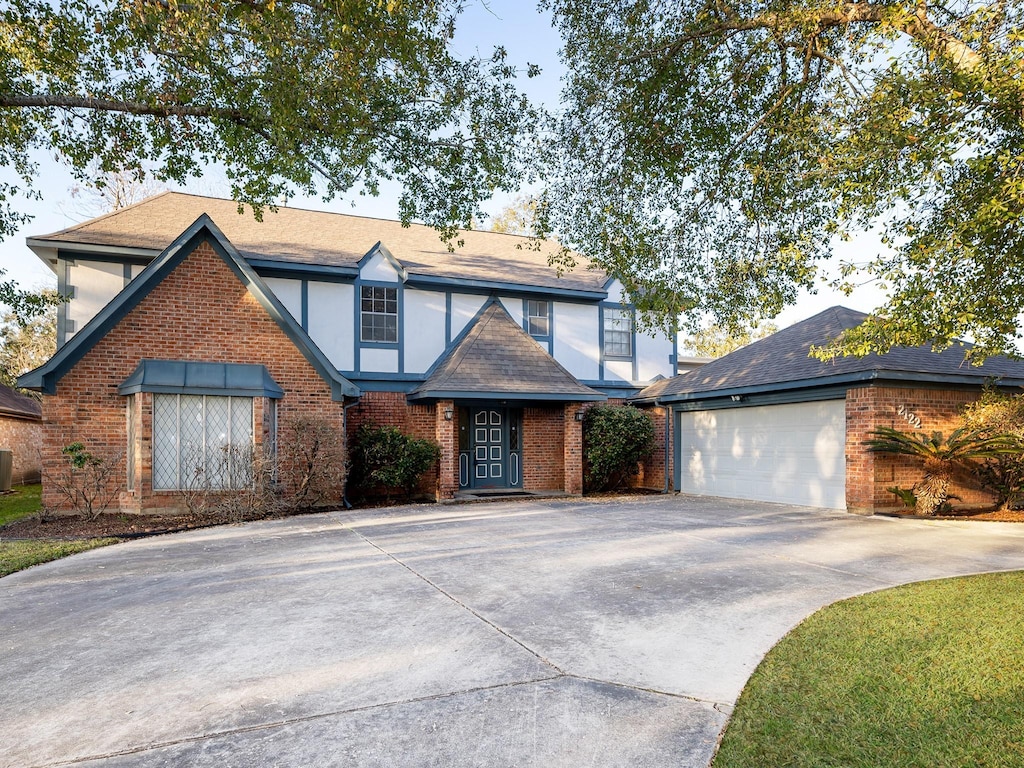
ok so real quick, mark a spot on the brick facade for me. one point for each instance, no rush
(869, 474)
(22, 437)
(199, 312)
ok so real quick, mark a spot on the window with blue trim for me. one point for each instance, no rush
(618, 332)
(378, 314)
(538, 318)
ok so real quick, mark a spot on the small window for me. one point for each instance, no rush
(379, 314)
(538, 318)
(618, 333)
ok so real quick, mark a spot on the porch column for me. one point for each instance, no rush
(572, 446)
(447, 436)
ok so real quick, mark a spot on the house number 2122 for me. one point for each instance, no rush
(911, 418)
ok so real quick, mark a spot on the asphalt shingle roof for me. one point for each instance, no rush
(497, 358)
(299, 236)
(783, 358)
(16, 404)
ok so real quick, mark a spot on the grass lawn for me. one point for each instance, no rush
(928, 674)
(22, 501)
(17, 555)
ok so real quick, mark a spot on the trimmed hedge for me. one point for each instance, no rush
(616, 438)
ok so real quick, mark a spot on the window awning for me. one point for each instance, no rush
(182, 377)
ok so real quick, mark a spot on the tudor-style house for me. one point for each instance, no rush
(190, 326)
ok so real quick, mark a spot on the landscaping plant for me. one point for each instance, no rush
(311, 462)
(385, 458)
(942, 457)
(616, 438)
(87, 482)
(999, 413)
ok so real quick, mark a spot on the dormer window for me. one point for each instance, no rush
(378, 314)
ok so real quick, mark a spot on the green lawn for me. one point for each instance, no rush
(928, 674)
(17, 555)
(22, 501)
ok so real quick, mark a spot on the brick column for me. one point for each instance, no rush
(572, 446)
(447, 437)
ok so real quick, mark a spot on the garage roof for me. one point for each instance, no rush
(782, 361)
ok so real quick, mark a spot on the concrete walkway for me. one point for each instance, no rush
(554, 633)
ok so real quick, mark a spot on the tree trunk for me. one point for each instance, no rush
(932, 492)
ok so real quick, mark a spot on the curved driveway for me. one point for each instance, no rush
(533, 633)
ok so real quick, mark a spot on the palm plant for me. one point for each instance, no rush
(942, 456)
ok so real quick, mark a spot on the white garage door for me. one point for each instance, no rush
(793, 454)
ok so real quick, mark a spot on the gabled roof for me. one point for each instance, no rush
(496, 359)
(14, 403)
(307, 239)
(46, 377)
(782, 361)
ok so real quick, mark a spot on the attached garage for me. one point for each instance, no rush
(770, 423)
(794, 453)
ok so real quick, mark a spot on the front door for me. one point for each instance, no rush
(489, 448)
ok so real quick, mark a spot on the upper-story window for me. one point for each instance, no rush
(379, 314)
(538, 318)
(618, 332)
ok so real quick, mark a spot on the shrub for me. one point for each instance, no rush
(616, 438)
(89, 483)
(385, 458)
(311, 462)
(998, 413)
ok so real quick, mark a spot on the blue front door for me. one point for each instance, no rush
(489, 450)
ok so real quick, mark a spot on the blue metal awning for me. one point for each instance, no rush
(182, 377)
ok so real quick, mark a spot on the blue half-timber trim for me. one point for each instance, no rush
(517, 397)
(46, 377)
(304, 304)
(458, 339)
(447, 318)
(297, 270)
(126, 273)
(102, 256)
(62, 308)
(506, 288)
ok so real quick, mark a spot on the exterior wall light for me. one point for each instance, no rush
(448, 413)
(579, 415)
(737, 398)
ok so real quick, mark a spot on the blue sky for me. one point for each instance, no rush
(528, 37)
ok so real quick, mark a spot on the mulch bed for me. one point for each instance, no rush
(995, 515)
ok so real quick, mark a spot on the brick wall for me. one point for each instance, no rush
(22, 438)
(199, 312)
(544, 448)
(869, 474)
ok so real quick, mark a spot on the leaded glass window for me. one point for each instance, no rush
(202, 441)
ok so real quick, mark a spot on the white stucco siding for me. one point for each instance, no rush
(464, 308)
(137, 270)
(378, 360)
(95, 284)
(330, 315)
(576, 338)
(653, 356)
(379, 269)
(618, 370)
(289, 293)
(424, 324)
(614, 292)
(514, 307)
(792, 454)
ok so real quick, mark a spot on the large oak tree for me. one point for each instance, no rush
(712, 152)
(311, 96)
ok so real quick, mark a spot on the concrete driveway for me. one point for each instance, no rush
(556, 633)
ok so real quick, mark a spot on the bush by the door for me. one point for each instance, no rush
(386, 460)
(616, 438)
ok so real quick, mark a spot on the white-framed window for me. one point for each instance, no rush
(202, 441)
(378, 315)
(618, 332)
(538, 318)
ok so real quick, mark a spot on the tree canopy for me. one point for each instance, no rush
(290, 96)
(711, 153)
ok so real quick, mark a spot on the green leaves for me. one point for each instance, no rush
(288, 95)
(709, 154)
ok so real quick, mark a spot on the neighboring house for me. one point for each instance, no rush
(20, 432)
(190, 325)
(767, 422)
